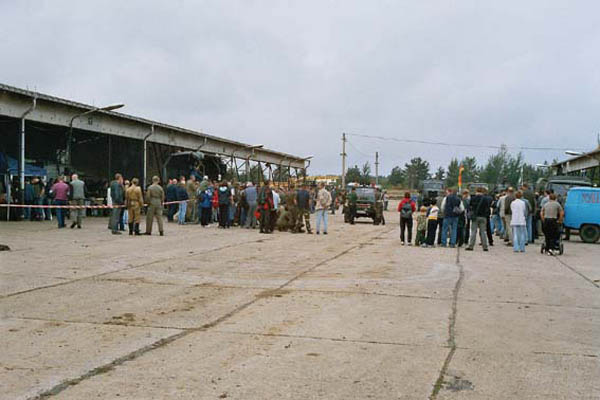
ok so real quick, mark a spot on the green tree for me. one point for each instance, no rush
(365, 176)
(470, 173)
(440, 173)
(416, 171)
(396, 177)
(353, 174)
(452, 174)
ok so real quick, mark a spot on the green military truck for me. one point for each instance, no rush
(431, 189)
(365, 204)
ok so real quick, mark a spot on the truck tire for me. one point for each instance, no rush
(589, 233)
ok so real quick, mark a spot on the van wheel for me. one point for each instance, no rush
(567, 234)
(589, 233)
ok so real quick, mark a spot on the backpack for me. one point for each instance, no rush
(406, 210)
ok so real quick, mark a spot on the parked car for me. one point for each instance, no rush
(582, 213)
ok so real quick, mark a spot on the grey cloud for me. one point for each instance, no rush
(294, 75)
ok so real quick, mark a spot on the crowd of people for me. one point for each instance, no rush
(225, 204)
(515, 216)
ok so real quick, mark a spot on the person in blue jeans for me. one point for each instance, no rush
(518, 222)
(182, 198)
(453, 207)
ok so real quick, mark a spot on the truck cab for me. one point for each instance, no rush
(562, 184)
(582, 212)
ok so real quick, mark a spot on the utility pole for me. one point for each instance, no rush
(377, 168)
(343, 161)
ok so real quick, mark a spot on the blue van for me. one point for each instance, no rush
(582, 212)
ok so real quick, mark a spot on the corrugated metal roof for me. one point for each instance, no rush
(54, 99)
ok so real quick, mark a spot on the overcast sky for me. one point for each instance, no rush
(294, 75)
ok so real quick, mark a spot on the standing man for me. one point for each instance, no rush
(225, 199)
(518, 222)
(190, 187)
(453, 208)
(529, 197)
(480, 211)
(78, 188)
(552, 215)
(333, 196)
(488, 224)
(379, 219)
(303, 197)
(117, 196)
(440, 217)
(406, 208)
(251, 199)
(352, 200)
(61, 195)
(182, 198)
(291, 202)
(323, 202)
(510, 197)
(171, 198)
(155, 196)
(135, 202)
(265, 205)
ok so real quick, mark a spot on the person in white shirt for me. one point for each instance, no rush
(518, 223)
(276, 199)
(323, 202)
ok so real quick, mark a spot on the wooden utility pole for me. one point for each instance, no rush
(377, 168)
(343, 160)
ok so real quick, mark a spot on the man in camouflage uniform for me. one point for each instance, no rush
(134, 201)
(155, 196)
(379, 219)
(292, 207)
(191, 188)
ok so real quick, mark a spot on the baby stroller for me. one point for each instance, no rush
(558, 245)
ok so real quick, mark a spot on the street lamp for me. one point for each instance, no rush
(109, 107)
(573, 153)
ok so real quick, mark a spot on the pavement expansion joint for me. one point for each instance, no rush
(451, 330)
(592, 281)
(328, 339)
(170, 339)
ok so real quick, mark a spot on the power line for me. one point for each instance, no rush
(480, 146)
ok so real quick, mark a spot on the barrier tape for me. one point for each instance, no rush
(80, 207)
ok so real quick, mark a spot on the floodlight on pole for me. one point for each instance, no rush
(109, 107)
(573, 153)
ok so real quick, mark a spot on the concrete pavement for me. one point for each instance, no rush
(210, 314)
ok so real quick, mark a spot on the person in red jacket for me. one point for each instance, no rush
(406, 208)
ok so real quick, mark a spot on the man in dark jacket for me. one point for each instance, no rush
(480, 212)
(453, 208)
(118, 198)
(303, 197)
(172, 196)
(224, 194)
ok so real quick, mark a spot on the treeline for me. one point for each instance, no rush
(500, 168)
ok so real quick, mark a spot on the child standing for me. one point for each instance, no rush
(421, 226)
(432, 222)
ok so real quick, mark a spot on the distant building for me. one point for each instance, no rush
(584, 164)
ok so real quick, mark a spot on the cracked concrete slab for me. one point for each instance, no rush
(37, 355)
(348, 315)
(507, 375)
(213, 365)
